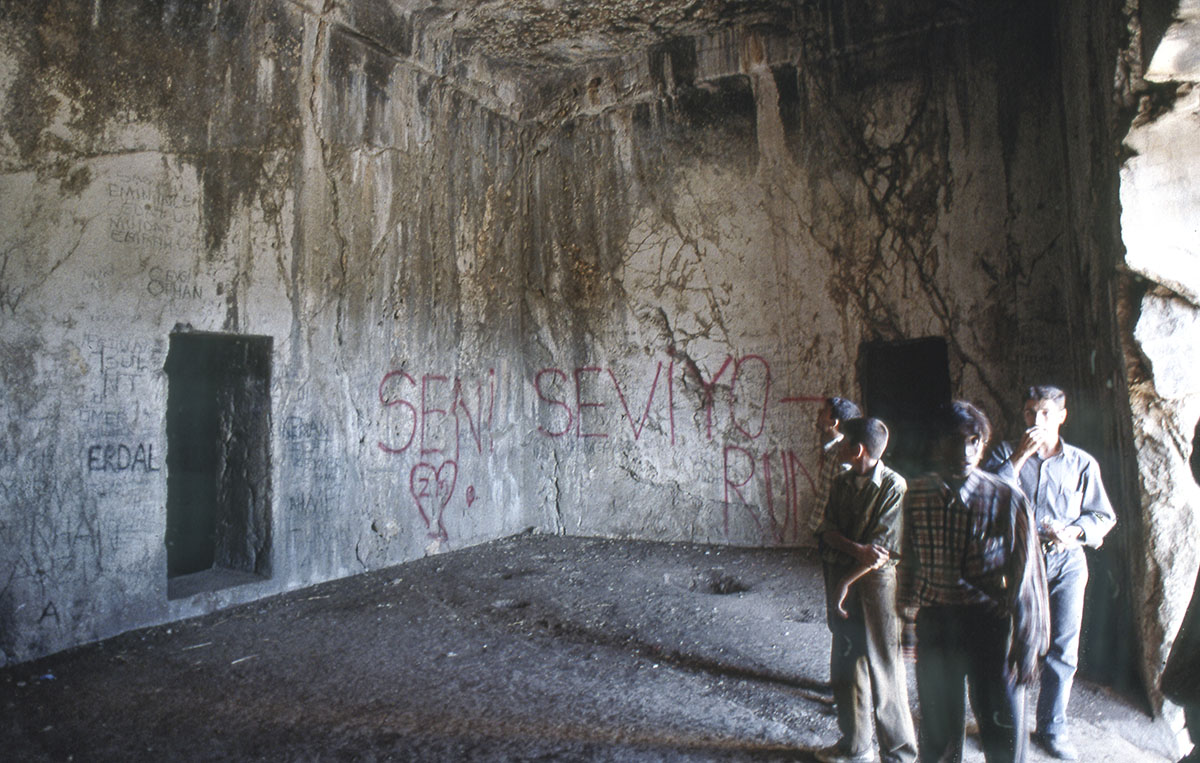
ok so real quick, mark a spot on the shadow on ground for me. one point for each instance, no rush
(529, 648)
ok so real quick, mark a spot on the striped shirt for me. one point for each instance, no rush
(957, 544)
(831, 466)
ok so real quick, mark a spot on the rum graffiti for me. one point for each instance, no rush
(779, 473)
(733, 404)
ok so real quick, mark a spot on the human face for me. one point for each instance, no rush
(853, 455)
(960, 452)
(826, 423)
(1044, 414)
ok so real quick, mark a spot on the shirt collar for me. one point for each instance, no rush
(967, 487)
(876, 474)
(874, 477)
(1062, 451)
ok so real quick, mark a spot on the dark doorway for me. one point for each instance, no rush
(218, 457)
(904, 383)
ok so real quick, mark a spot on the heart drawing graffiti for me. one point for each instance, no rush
(431, 488)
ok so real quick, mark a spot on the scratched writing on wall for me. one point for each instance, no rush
(48, 535)
(309, 450)
(150, 212)
(123, 364)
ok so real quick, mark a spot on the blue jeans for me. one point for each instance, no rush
(1067, 575)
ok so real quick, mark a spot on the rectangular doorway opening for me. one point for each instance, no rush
(218, 461)
(904, 383)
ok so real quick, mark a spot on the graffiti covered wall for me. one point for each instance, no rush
(603, 297)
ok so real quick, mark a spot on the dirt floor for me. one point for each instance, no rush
(530, 648)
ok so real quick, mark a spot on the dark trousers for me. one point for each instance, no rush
(967, 644)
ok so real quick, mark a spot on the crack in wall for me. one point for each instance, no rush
(560, 525)
(319, 64)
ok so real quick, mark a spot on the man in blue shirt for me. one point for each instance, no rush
(1072, 511)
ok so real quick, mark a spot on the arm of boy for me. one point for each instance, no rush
(870, 554)
(850, 578)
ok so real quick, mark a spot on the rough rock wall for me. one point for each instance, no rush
(596, 290)
(1161, 323)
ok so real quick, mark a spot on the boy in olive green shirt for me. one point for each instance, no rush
(860, 543)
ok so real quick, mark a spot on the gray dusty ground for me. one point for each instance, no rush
(530, 648)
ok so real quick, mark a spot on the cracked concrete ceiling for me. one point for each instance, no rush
(542, 59)
(557, 32)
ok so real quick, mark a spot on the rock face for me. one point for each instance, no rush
(1160, 204)
(292, 290)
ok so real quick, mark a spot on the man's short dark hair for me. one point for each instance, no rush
(961, 417)
(843, 409)
(872, 434)
(1046, 393)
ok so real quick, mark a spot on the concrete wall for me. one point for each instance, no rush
(587, 288)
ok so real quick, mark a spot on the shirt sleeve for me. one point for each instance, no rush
(998, 462)
(1096, 515)
(887, 530)
(1028, 600)
(907, 569)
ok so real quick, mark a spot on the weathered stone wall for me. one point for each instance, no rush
(1160, 202)
(594, 288)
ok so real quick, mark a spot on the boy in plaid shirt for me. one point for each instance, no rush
(972, 572)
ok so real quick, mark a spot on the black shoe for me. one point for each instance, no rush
(1058, 745)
